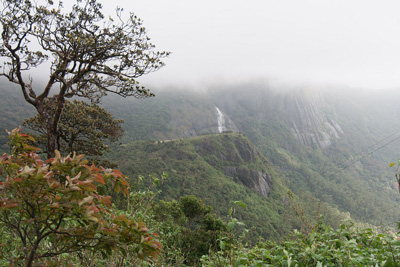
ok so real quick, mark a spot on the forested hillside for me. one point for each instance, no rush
(348, 173)
(221, 169)
(336, 143)
(225, 163)
(14, 111)
(331, 148)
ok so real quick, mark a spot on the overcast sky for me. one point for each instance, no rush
(353, 42)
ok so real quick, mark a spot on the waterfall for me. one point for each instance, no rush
(221, 121)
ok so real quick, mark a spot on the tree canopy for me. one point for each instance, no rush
(88, 55)
(83, 128)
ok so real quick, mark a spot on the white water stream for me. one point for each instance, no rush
(221, 121)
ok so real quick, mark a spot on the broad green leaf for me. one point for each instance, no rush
(240, 203)
(230, 226)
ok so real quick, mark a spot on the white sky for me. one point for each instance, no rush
(353, 42)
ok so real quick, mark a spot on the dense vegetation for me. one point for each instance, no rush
(346, 246)
(272, 190)
(196, 170)
(74, 224)
(347, 175)
(51, 209)
(351, 174)
(196, 166)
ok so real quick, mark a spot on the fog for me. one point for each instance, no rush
(355, 43)
(348, 43)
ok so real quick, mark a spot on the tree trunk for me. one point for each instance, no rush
(29, 260)
(52, 142)
(46, 113)
(50, 111)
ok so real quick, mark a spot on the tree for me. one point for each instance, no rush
(194, 229)
(56, 207)
(194, 209)
(83, 128)
(89, 55)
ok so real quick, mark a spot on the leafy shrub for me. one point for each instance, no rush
(51, 208)
(345, 246)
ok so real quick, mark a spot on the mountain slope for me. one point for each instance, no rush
(220, 169)
(329, 144)
(13, 111)
(359, 183)
(320, 138)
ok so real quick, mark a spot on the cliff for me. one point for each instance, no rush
(219, 168)
(237, 157)
(308, 122)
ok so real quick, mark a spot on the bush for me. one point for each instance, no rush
(345, 246)
(51, 208)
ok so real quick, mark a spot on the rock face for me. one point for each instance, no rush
(307, 120)
(239, 159)
(260, 181)
(303, 113)
(306, 112)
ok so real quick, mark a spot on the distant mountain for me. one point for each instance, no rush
(13, 110)
(330, 145)
(329, 141)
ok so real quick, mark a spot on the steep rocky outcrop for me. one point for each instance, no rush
(259, 181)
(219, 169)
(307, 120)
(239, 159)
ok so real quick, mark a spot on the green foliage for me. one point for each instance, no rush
(83, 128)
(196, 166)
(49, 209)
(193, 209)
(324, 246)
(191, 230)
(365, 189)
(139, 206)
